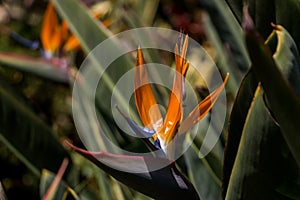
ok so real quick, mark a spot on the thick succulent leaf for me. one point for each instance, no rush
(62, 191)
(236, 124)
(283, 101)
(260, 165)
(165, 183)
(229, 31)
(26, 134)
(56, 69)
(2, 193)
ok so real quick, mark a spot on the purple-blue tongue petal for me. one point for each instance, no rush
(136, 129)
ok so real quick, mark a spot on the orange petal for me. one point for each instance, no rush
(72, 43)
(56, 39)
(49, 26)
(184, 48)
(64, 30)
(175, 111)
(144, 98)
(202, 109)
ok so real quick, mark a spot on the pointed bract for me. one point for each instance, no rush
(164, 183)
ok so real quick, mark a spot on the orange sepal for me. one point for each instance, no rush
(51, 31)
(72, 43)
(144, 98)
(202, 109)
(64, 30)
(175, 111)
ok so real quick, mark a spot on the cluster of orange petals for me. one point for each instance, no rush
(148, 108)
(56, 36)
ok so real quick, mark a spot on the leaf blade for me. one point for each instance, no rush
(18, 124)
(38, 66)
(283, 101)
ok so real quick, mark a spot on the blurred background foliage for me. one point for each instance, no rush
(260, 136)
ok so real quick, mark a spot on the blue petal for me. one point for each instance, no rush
(157, 144)
(25, 42)
(136, 129)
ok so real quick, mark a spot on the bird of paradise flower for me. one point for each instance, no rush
(163, 131)
(165, 182)
(55, 37)
(56, 43)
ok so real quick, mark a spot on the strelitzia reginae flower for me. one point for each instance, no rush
(164, 130)
(166, 182)
(55, 36)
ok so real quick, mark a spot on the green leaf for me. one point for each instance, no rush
(283, 101)
(263, 138)
(90, 34)
(223, 62)
(287, 56)
(146, 10)
(260, 165)
(236, 6)
(213, 160)
(265, 12)
(287, 15)
(236, 124)
(262, 16)
(229, 31)
(200, 174)
(26, 134)
(47, 69)
(165, 183)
